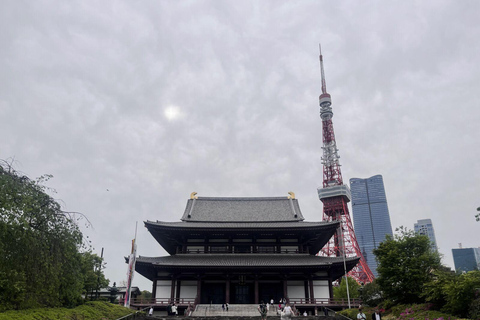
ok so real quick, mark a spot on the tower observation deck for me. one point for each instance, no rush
(335, 195)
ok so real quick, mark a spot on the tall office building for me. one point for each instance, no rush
(466, 259)
(425, 227)
(370, 215)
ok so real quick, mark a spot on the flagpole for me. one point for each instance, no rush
(131, 269)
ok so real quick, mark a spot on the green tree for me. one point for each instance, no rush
(93, 277)
(371, 294)
(340, 291)
(145, 296)
(434, 291)
(406, 262)
(40, 245)
(461, 292)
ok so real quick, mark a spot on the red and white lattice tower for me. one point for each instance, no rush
(335, 195)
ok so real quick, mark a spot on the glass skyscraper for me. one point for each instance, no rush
(370, 216)
(466, 259)
(425, 227)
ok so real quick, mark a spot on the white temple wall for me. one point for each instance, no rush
(188, 289)
(163, 289)
(320, 289)
(296, 289)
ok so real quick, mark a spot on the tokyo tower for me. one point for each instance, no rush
(335, 195)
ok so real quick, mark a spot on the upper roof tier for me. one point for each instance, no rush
(261, 209)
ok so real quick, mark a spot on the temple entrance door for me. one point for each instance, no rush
(213, 293)
(242, 294)
(268, 291)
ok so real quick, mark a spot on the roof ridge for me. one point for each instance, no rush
(243, 198)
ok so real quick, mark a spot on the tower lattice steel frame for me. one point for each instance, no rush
(335, 195)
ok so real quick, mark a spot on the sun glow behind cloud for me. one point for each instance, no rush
(172, 113)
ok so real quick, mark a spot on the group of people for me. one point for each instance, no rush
(225, 307)
(172, 309)
(284, 309)
(375, 316)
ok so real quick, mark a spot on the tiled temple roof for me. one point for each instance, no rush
(146, 265)
(260, 209)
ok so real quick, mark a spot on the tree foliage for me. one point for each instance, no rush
(145, 296)
(340, 291)
(40, 246)
(406, 263)
(455, 293)
(371, 294)
(93, 277)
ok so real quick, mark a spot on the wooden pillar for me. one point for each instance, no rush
(256, 289)
(172, 290)
(312, 294)
(199, 289)
(177, 294)
(285, 293)
(154, 290)
(306, 291)
(330, 287)
(227, 290)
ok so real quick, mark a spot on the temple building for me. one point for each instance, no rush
(242, 251)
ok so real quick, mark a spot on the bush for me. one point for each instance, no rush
(93, 310)
(418, 312)
(474, 310)
(371, 294)
(350, 313)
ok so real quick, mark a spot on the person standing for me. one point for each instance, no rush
(226, 306)
(287, 311)
(174, 309)
(262, 308)
(150, 312)
(377, 315)
(361, 315)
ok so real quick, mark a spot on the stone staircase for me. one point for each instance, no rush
(234, 310)
(240, 312)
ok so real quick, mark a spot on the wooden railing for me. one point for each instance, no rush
(325, 301)
(190, 302)
(162, 301)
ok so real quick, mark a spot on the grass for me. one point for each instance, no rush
(93, 310)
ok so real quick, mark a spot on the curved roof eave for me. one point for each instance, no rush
(147, 266)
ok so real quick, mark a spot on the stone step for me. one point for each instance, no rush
(240, 311)
(268, 318)
(215, 310)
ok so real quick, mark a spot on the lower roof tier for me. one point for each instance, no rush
(150, 267)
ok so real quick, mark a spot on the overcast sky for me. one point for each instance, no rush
(132, 105)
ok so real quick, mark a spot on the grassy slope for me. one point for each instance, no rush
(98, 310)
(402, 312)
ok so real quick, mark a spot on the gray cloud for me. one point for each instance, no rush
(85, 86)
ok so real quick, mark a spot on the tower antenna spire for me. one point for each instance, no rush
(324, 84)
